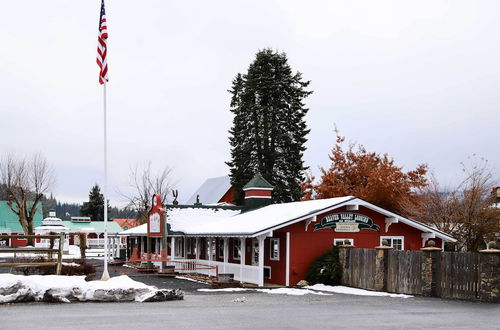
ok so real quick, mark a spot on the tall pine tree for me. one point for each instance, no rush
(94, 208)
(269, 130)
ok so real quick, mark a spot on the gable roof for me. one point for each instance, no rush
(194, 222)
(211, 191)
(9, 221)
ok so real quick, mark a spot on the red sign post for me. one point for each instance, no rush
(156, 228)
(156, 225)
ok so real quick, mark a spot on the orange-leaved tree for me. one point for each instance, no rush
(368, 175)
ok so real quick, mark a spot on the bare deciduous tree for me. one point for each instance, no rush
(145, 183)
(466, 212)
(26, 180)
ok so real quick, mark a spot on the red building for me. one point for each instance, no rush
(277, 243)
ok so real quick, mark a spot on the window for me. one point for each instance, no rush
(275, 249)
(236, 249)
(267, 272)
(396, 242)
(189, 245)
(341, 241)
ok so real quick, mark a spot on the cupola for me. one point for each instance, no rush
(258, 192)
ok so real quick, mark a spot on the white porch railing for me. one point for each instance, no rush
(243, 273)
(93, 242)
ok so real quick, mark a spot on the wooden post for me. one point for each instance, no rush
(149, 265)
(60, 252)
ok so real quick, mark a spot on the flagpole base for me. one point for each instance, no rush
(105, 276)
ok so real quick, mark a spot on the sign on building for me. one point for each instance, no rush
(156, 225)
(346, 222)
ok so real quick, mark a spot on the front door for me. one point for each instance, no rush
(255, 252)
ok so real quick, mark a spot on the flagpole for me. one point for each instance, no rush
(105, 274)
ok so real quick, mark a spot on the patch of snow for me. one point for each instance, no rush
(287, 291)
(190, 279)
(74, 264)
(354, 291)
(225, 290)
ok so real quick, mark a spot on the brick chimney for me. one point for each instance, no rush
(258, 193)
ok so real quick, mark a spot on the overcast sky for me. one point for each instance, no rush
(418, 80)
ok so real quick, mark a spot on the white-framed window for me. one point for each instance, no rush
(267, 272)
(396, 242)
(275, 249)
(188, 245)
(341, 241)
(236, 249)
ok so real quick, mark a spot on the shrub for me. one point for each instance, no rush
(326, 269)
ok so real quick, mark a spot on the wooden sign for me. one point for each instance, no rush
(346, 222)
(156, 224)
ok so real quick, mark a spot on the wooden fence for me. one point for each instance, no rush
(404, 269)
(459, 275)
(49, 251)
(429, 272)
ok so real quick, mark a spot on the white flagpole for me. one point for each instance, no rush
(105, 273)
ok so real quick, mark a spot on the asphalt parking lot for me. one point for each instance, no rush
(253, 310)
(258, 311)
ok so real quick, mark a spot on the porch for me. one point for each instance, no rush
(244, 257)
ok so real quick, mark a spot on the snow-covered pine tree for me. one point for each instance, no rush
(269, 130)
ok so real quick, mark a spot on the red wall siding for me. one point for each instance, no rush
(306, 246)
(228, 196)
(278, 267)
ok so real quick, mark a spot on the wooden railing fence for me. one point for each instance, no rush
(23, 250)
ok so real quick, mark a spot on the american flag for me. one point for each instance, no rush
(102, 48)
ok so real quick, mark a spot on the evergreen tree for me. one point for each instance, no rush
(94, 208)
(269, 130)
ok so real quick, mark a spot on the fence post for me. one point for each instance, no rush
(431, 271)
(489, 275)
(344, 259)
(381, 264)
(59, 255)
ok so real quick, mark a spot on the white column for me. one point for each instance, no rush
(185, 247)
(209, 254)
(287, 271)
(226, 253)
(172, 248)
(242, 256)
(197, 249)
(261, 261)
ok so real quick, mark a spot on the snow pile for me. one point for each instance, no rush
(354, 291)
(287, 291)
(53, 288)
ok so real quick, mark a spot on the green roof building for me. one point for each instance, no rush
(9, 221)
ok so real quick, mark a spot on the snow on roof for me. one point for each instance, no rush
(211, 191)
(266, 217)
(208, 221)
(213, 222)
(187, 220)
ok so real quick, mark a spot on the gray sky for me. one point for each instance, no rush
(416, 79)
